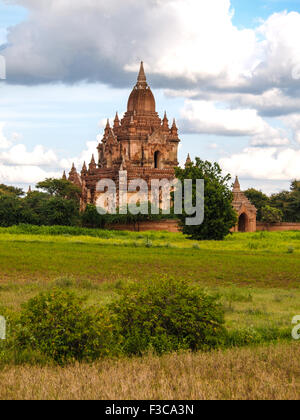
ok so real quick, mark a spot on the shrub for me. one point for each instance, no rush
(59, 325)
(252, 336)
(167, 315)
(271, 215)
(90, 218)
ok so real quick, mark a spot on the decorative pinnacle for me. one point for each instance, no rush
(117, 121)
(142, 76)
(237, 186)
(188, 161)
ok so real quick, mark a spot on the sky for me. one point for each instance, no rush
(228, 71)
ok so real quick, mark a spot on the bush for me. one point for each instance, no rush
(58, 325)
(271, 215)
(253, 336)
(90, 218)
(167, 315)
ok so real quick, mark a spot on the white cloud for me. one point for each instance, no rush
(18, 155)
(4, 142)
(18, 166)
(280, 49)
(236, 76)
(183, 42)
(264, 163)
(18, 175)
(207, 117)
(293, 121)
(86, 155)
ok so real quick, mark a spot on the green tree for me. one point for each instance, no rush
(59, 211)
(11, 191)
(220, 216)
(288, 202)
(271, 215)
(294, 202)
(10, 208)
(258, 199)
(60, 188)
(90, 218)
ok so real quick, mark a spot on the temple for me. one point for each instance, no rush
(141, 143)
(146, 147)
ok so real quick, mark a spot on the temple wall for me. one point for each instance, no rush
(172, 226)
(160, 225)
(278, 227)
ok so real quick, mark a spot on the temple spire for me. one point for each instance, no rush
(142, 80)
(188, 161)
(107, 128)
(92, 165)
(64, 176)
(165, 122)
(116, 121)
(174, 129)
(237, 186)
(84, 169)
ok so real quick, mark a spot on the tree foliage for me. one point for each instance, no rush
(59, 325)
(288, 202)
(219, 216)
(167, 315)
(271, 215)
(10, 191)
(60, 188)
(258, 199)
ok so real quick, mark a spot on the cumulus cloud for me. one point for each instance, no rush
(235, 78)
(184, 42)
(4, 142)
(293, 121)
(18, 155)
(262, 163)
(85, 156)
(18, 175)
(210, 118)
(19, 166)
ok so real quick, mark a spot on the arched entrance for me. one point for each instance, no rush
(157, 160)
(243, 222)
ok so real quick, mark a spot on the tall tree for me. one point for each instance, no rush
(258, 199)
(288, 202)
(219, 216)
(11, 191)
(60, 188)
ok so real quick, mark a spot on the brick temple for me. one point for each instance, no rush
(146, 147)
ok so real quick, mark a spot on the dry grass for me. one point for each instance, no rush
(258, 373)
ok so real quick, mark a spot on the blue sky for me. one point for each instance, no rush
(247, 12)
(249, 123)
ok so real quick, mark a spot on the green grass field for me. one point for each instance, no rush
(257, 275)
